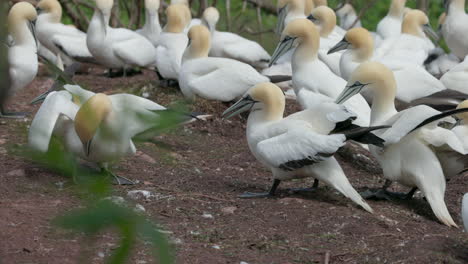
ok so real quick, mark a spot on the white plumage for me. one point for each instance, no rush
(152, 28)
(457, 78)
(455, 27)
(390, 25)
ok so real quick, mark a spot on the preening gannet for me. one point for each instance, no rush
(408, 155)
(213, 78)
(65, 42)
(302, 144)
(117, 48)
(288, 10)
(172, 42)
(413, 81)
(348, 16)
(313, 81)
(233, 46)
(455, 27)
(390, 25)
(95, 127)
(152, 29)
(22, 55)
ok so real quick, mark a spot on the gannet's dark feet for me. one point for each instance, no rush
(19, 115)
(381, 194)
(168, 83)
(249, 195)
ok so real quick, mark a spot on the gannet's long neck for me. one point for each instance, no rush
(364, 52)
(306, 51)
(327, 25)
(397, 8)
(98, 25)
(152, 22)
(55, 14)
(296, 8)
(21, 34)
(383, 104)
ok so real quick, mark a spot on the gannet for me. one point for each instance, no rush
(95, 127)
(117, 48)
(152, 29)
(313, 81)
(439, 63)
(172, 42)
(408, 156)
(457, 78)
(413, 81)
(233, 46)
(65, 42)
(288, 10)
(193, 21)
(321, 3)
(22, 55)
(455, 27)
(213, 78)
(464, 212)
(300, 145)
(390, 25)
(348, 16)
(308, 7)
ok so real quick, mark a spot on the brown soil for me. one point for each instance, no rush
(201, 169)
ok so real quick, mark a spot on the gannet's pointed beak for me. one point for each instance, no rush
(40, 98)
(342, 45)
(281, 16)
(430, 32)
(350, 91)
(243, 105)
(32, 28)
(284, 46)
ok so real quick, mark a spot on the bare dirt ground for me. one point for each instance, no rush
(196, 174)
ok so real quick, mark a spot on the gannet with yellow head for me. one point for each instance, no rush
(301, 145)
(408, 155)
(313, 81)
(152, 28)
(22, 57)
(348, 16)
(288, 10)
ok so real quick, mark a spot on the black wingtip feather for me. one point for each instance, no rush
(440, 116)
(279, 78)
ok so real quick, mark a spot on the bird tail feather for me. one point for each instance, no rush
(439, 208)
(344, 187)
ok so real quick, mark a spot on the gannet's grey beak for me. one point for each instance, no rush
(40, 98)
(430, 32)
(342, 45)
(243, 105)
(32, 28)
(284, 46)
(281, 16)
(350, 91)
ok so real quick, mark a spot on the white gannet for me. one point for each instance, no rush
(117, 48)
(455, 27)
(348, 16)
(193, 21)
(412, 45)
(457, 78)
(172, 42)
(95, 127)
(64, 41)
(288, 10)
(233, 46)
(408, 156)
(212, 78)
(313, 81)
(413, 81)
(22, 55)
(390, 25)
(152, 29)
(301, 145)
(464, 211)
(325, 19)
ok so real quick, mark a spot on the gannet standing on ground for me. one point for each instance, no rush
(348, 16)
(214, 78)
(233, 46)
(65, 42)
(22, 55)
(455, 27)
(408, 156)
(152, 29)
(413, 82)
(313, 81)
(172, 42)
(457, 78)
(300, 145)
(390, 25)
(117, 48)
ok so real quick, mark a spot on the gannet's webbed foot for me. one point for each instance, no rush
(306, 190)
(383, 194)
(268, 194)
(11, 115)
(118, 180)
(166, 83)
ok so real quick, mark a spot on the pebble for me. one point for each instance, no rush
(116, 199)
(101, 254)
(228, 210)
(207, 216)
(145, 157)
(216, 247)
(139, 208)
(140, 194)
(17, 173)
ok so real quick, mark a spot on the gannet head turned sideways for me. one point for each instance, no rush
(22, 12)
(89, 118)
(358, 39)
(210, 18)
(373, 76)
(264, 96)
(416, 23)
(178, 17)
(297, 32)
(199, 42)
(325, 18)
(51, 7)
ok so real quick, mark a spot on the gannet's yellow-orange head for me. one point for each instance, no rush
(200, 42)
(361, 41)
(325, 18)
(51, 7)
(22, 12)
(90, 116)
(416, 23)
(178, 17)
(397, 8)
(211, 17)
